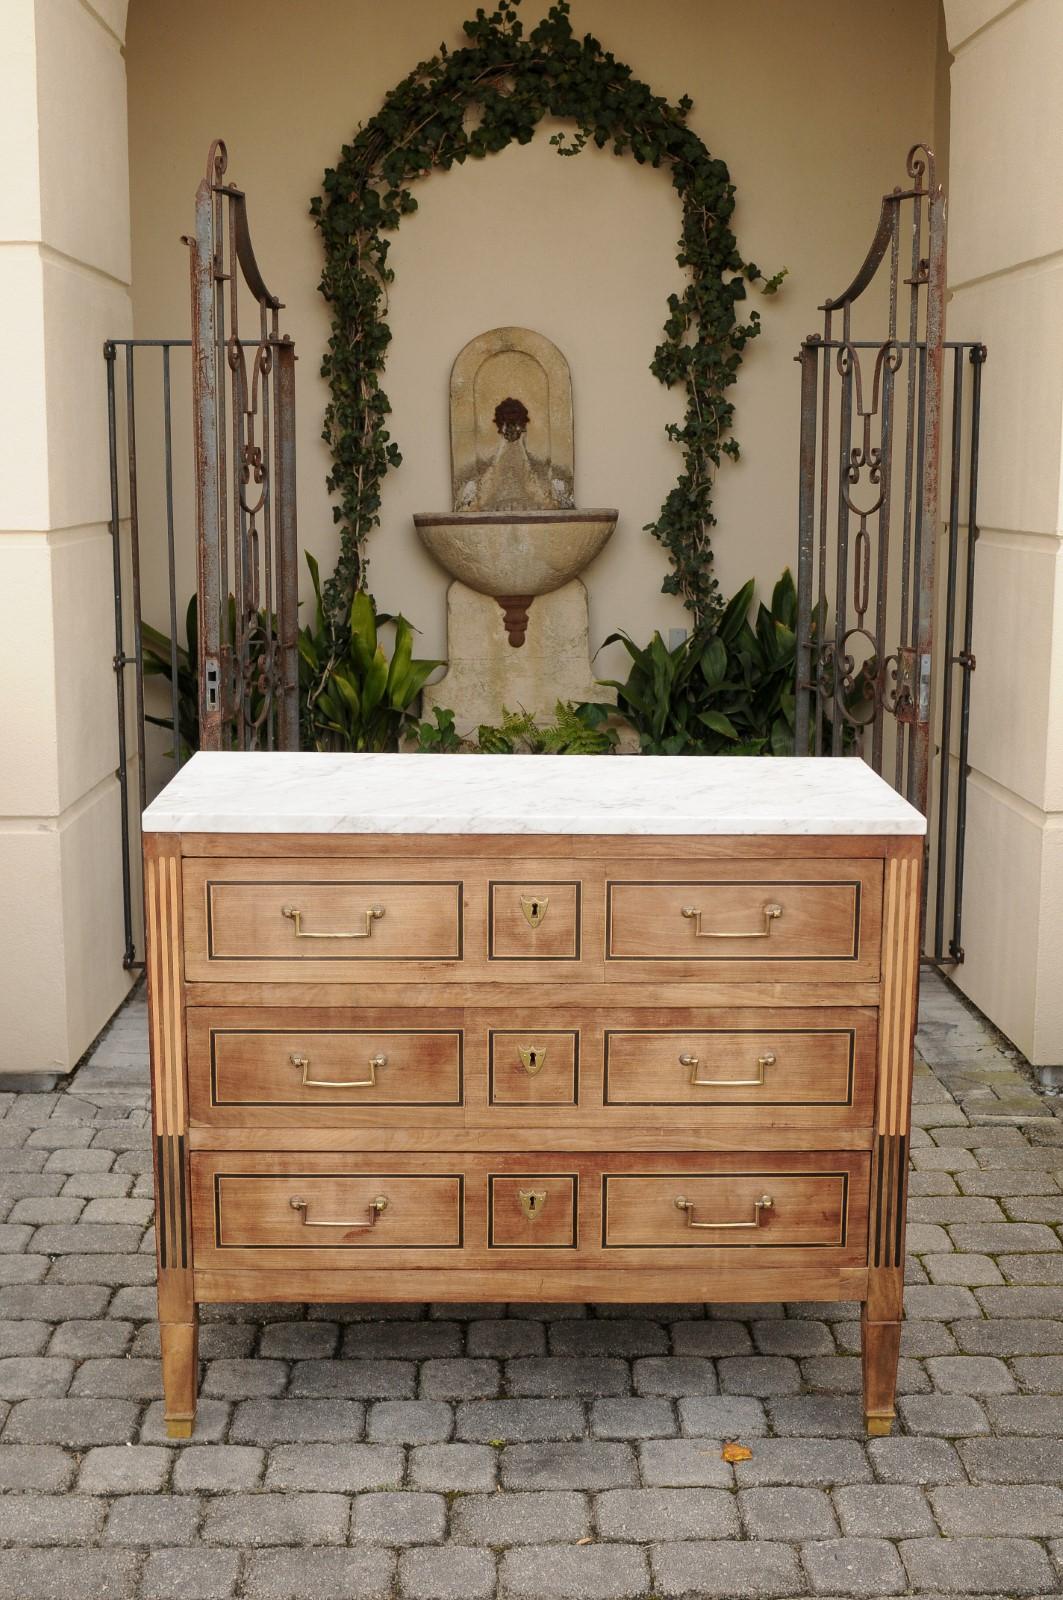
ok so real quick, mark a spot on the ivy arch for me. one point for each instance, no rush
(513, 81)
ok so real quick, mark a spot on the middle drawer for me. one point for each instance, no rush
(522, 1065)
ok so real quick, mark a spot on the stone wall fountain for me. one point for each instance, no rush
(517, 629)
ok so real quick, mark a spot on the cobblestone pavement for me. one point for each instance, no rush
(455, 1452)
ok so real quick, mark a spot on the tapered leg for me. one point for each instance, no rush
(880, 1320)
(180, 1374)
(178, 1322)
(880, 1346)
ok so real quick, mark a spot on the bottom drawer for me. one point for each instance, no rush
(255, 1210)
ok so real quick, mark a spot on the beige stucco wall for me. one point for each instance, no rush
(1006, 277)
(814, 119)
(64, 275)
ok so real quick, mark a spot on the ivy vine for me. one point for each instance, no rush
(466, 104)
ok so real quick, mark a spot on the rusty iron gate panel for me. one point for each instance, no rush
(870, 596)
(246, 540)
(162, 504)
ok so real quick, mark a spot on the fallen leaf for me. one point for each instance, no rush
(733, 1451)
(587, 1540)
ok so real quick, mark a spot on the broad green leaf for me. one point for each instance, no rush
(375, 681)
(719, 723)
(714, 661)
(734, 615)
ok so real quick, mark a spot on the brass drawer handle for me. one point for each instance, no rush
(372, 915)
(770, 913)
(693, 1062)
(303, 1063)
(765, 1203)
(375, 1208)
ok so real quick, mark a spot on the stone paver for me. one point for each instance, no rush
(534, 1452)
(559, 1572)
(326, 1574)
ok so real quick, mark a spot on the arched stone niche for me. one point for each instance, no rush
(511, 385)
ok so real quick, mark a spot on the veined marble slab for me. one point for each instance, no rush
(288, 792)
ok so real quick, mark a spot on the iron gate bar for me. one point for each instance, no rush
(248, 685)
(127, 607)
(944, 775)
(167, 421)
(120, 662)
(966, 663)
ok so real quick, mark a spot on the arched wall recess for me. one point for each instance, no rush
(468, 103)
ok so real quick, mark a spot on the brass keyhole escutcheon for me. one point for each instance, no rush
(535, 907)
(532, 1057)
(531, 1202)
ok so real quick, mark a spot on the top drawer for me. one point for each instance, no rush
(357, 920)
(287, 920)
(779, 921)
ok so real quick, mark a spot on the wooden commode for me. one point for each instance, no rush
(550, 1028)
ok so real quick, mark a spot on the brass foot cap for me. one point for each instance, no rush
(179, 1427)
(879, 1427)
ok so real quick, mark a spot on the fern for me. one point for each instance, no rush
(579, 731)
(576, 730)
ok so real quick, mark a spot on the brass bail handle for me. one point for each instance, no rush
(765, 1203)
(373, 914)
(302, 1063)
(693, 1062)
(771, 913)
(375, 1208)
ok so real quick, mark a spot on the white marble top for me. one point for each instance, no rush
(219, 792)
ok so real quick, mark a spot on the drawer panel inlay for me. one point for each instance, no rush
(376, 1210)
(532, 1211)
(533, 1067)
(739, 1210)
(709, 920)
(794, 921)
(746, 1067)
(357, 1067)
(534, 920)
(314, 920)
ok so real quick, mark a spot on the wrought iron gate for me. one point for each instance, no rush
(223, 487)
(868, 525)
(248, 662)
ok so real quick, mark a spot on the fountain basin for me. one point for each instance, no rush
(526, 553)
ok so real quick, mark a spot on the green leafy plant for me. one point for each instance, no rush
(728, 689)
(582, 730)
(158, 655)
(511, 82)
(351, 696)
(440, 736)
(577, 730)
